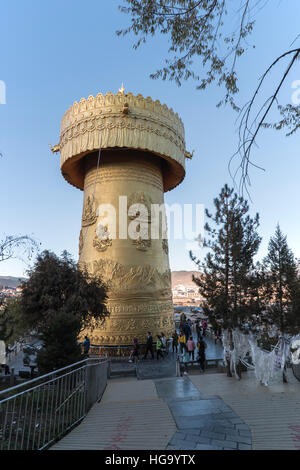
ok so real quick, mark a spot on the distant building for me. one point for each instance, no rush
(186, 294)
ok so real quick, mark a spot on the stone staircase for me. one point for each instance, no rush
(213, 365)
(121, 368)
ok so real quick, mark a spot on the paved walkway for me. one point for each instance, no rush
(167, 413)
(272, 413)
(153, 368)
(209, 411)
(129, 416)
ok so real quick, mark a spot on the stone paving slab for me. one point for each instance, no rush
(178, 388)
(153, 368)
(202, 423)
(194, 408)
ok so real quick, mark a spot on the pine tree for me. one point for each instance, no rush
(226, 275)
(225, 279)
(281, 286)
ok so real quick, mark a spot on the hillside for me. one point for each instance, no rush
(9, 281)
(178, 277)
(183, 277)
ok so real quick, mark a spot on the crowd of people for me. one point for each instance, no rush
(161, 347)
(183, 344)
(186, 342)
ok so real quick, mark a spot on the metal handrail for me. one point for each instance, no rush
(37, 379)
(51, 404)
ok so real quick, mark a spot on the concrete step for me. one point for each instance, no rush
(117, 373)
(210, 363)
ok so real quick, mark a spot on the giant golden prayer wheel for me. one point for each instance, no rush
(124, 145)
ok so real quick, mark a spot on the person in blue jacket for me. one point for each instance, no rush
(86, 345)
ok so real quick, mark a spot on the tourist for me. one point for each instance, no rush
(204, 327)
(181, 340)
(185, 358)
(182, 318)
(191, 347)
(86, 346)
(198, 330)
(201, 353)
(164, 343)
(218, 334)
(174, 342)
(187, 331)
(134, 353)
(158, 348)
(149, 345)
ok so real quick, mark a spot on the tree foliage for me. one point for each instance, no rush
(281, 285)
(56, 284)
(226, 279)
(60, 345)
(194, 29)
(12, 326)
(58, 301)
(206, 30)
(6, 329)
(290, 119)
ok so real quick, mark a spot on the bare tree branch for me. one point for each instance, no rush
(247, 137)
(17, 247)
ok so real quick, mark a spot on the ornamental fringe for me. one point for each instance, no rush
(116, 133)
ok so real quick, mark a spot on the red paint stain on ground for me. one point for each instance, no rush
(296, 434)
(120, 433)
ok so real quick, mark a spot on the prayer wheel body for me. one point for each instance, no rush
(124, 152)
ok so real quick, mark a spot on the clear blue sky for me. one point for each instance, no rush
(53, 53)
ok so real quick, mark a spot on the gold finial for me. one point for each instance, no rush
(189, 155)
(122, 89)
(55, 148)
